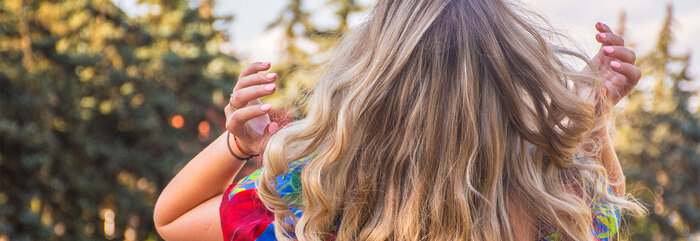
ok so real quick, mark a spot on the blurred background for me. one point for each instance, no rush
(102, 102)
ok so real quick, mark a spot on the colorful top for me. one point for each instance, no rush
(245, 218)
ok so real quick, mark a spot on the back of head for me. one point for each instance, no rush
(431, 118)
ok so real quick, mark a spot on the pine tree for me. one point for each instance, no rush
(659, 144)
(98, 111)
(306, 47)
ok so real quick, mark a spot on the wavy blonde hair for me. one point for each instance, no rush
(432, 117)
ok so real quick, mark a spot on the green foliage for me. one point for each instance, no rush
(87, 95)
(306, 47)
(659, 145)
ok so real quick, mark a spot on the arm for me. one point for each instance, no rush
(615, 65)
(608, 159)
(188, 208)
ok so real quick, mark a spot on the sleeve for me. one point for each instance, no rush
(243, 215)
(606, 219)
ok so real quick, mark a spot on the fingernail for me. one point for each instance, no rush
(271, 75)
(600, 23)
(265, 107)
(273, 128)
(266, 63)
(615, 64)
(270, 87)
(609, 49)
(602, 36)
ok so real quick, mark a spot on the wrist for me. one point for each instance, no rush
(234, 149)
(602, 130)
(244, 148)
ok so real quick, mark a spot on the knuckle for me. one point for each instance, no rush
(236, 116)
(242, 78)
(229, 125)
(233, 97)
(255, 77)
(237, 97)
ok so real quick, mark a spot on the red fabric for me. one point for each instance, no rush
(243, 217)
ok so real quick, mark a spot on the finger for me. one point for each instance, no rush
(603, 28)
(236, 123)
(255, 79)
(228, 108)
(254, 68)
(618, 52)
(630, 71)
(241, 97)
(609, 39)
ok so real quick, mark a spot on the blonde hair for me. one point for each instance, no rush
(424, 120)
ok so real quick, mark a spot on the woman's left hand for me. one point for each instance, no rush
(614, 64)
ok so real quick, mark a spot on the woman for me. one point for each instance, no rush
(435, 120)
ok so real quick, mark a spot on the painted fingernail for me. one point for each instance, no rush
(265, 107)
(599, 23)
(269, 87)
(271, 75)
(609, 49)
(266, 63)
(273, 128)
(602, 36)
(615, 64)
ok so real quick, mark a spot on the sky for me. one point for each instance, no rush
(252, 42)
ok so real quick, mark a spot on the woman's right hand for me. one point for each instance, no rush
(614, 64)
(246, 116)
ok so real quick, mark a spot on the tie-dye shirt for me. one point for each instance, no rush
(245, 218)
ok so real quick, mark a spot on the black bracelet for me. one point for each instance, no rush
(228, 144)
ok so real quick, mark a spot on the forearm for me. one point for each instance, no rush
(608, 159)
(205, 176)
